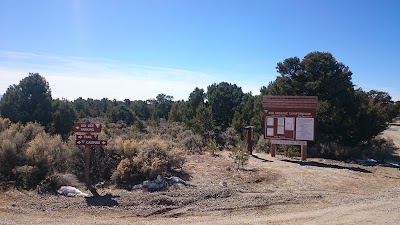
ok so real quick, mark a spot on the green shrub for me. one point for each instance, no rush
(103, 160)
(240, 155)
(212, 146)
(379, 149)
(288, 150)
(103, 163)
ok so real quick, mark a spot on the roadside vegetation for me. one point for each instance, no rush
(152, 137)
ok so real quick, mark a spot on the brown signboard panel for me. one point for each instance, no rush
(290, 117)
(87, 127)
(288, 142)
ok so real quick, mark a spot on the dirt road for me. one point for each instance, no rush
(393, 133)
(270, 191)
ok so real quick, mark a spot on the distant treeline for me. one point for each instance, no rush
(346, 116)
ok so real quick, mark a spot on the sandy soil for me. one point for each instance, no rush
(269, 191)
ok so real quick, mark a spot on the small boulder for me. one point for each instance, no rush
(70, 191)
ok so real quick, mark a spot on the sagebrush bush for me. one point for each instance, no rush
(4, 123)
(29, 155)
(126, 148)
(230, 137)
(192, 143)
(49, 153)
(127, 172)
(15, 135)
(263, 145)
(379, 149)
(54, 181)
(168, 129)
(12, 150)
(9, 158)
(155, 157)
(158, 156)
(31, 130)
(27, 177)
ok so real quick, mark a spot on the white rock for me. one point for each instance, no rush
(70, 191)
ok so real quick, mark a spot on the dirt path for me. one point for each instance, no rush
(393, 133)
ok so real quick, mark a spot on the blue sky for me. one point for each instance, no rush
(138, 49)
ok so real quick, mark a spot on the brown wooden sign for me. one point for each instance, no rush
(87, 137)
(87, 127)
(288, 142)
(290, 117)
(91, 142)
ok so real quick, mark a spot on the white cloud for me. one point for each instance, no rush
(71, 77)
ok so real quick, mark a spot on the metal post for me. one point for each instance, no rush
(304, 153)
(273, 147)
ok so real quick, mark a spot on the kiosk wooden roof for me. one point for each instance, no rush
(293, 102)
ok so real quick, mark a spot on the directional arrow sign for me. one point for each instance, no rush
(92, 142)
(96, 142)
(87, 137)
(87, 127)
(80, 142)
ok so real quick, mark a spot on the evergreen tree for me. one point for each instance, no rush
(28, 101)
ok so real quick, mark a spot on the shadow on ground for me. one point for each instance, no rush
(105, 200)
(325, 165)
(259, 158)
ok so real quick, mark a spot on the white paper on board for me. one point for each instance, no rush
(270, 121)
(281, 130)
(270, 132)
(305, 129)
(281, 121)
(289, 123)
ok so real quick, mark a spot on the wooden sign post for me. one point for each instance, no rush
(88, 140)
(290, 120)
(87, 167)
(250, 141)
